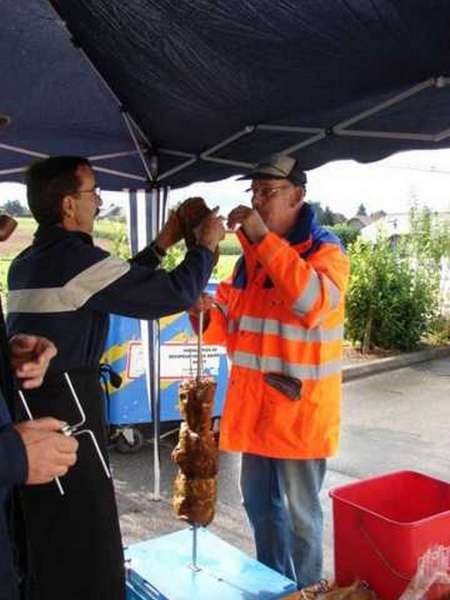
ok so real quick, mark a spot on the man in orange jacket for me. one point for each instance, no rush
(281, 318)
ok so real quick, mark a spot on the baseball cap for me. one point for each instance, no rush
(278, 166)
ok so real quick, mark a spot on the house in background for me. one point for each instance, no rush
(359, 222)
(394, 225)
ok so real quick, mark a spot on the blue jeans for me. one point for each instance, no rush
(281, 498)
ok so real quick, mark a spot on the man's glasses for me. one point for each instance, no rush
(267, 192)
(95, 191)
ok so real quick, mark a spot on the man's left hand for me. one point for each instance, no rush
(171, 233)
(30, 357)
(251, 221)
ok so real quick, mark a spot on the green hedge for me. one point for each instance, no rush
(391, 301)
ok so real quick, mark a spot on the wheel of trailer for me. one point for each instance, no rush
(130, 440)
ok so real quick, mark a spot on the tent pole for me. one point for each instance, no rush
(143, 227)
(153, 221)
(153, 358)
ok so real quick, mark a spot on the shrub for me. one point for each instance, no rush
(230, 246)
(174, 256)
(391, 302)
(120, 244)
(346, 233)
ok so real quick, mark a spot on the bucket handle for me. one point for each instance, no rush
(381, 556)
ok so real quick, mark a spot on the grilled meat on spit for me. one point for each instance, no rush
(196, 455)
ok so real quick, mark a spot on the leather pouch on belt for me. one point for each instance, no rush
(288, 386)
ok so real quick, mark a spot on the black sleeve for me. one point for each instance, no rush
(146, 258)
(148, 293)
(13, 460)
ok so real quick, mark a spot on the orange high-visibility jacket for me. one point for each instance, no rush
(282, 312)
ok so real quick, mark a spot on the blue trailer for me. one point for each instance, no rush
(128, 407)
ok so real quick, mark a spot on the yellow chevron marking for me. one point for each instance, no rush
(165, 321)
(166, 383)
(115, 352)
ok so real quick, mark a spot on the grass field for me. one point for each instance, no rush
(108, 234)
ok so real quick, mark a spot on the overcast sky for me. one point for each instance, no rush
(390, 185)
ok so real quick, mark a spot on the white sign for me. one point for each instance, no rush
(135, 360)
(179, 361)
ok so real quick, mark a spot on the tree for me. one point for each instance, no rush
(14, 208)
(391, 303)
(393, 296)
(328, 217)
(361, 212)
(345, 233)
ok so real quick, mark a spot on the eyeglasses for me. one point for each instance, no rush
(267, 192)
(94, 191)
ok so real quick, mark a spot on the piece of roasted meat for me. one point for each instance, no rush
(196, 455)
(190, 214)
(196, 401)
(194, 499)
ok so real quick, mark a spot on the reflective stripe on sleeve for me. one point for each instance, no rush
(72, 295)
(335, 294)
(232, 326)
(309, 296)
(222, 307)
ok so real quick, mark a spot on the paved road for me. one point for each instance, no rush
(394, 420)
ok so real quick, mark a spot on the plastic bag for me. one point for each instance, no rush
(432, 579)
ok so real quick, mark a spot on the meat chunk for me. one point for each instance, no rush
(196, 403)
(196, 455)
(195, 499)
(190, 214)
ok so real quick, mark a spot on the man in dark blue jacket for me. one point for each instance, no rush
(63, 287)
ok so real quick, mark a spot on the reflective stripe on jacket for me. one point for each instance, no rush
(63, 287)
(283, 313)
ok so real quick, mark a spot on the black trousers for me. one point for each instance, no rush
(74, 540)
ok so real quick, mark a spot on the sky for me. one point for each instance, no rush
(392, 185)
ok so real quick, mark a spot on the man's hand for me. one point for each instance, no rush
(252, 224)
(30, 357)
(49, 453)
(211, 230)
(171, 233)
(204, 303)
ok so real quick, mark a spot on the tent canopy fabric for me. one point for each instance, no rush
(208, 88)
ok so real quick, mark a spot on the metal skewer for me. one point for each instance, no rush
(72, 430)
(194, 548)
(30, 416)
(200, 345)
(199, 376)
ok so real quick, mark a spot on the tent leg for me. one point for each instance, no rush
(153, 213)
(146, 213)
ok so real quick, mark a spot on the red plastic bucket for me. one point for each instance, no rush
(383, 525)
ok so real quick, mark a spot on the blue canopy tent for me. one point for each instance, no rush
(160, 93)
(211, 86)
